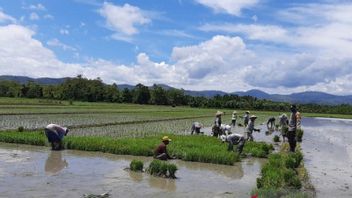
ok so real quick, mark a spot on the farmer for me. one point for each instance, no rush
(234, 118)
(246, 118)
(196, 126)
(271, 122)
(217, 124)
(250, 128)
(299, 117)
(55, 134)
(234, 139)
(292, 127)
(283, 126)
(225, 129)
(161, 152)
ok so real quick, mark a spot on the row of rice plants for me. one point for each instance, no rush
(282, 176)
(189, 148)
(142, 129)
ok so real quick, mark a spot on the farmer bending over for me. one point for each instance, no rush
(196, 126)
(271, 123)
(161, 152)
(55, 134)
(234, 139)
(246, 118)
(250, 128)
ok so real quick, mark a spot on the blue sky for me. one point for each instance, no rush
(229, 45)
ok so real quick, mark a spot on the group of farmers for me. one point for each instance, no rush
(56, 133)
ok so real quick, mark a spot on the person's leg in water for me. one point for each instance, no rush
(292, 140)
(240, 146)
(197, 130)
(230, 146)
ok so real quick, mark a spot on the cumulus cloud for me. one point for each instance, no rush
(38, 7)
(123, 19)
(228, 6)
(6, 18)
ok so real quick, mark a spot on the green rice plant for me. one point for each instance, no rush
(258, 149)
(280, 172)
(172, 168)
(162, 169)
(189, 148)
(299, 135)
(276, 138)
(282, 193)
(136, 165)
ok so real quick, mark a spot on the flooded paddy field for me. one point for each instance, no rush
(31, 171)
(327, 148)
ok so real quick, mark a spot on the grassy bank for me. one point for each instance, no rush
(284, 175)
(189, 148)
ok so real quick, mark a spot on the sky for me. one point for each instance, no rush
(229, 45)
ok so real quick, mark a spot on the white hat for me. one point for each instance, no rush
(223, 138)
(219, 113)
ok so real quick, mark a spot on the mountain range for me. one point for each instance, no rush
(302, 97)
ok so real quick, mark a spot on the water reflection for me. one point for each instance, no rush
(162, 183)
(136, 176)
(54, 163)
(233, 172)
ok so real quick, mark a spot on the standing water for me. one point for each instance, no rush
(29, 171)
(327, 147)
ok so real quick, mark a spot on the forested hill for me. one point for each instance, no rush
(301, 98)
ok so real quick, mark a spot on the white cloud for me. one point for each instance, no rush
(38, 7)
(64, 31)
(232, 7)
(6, 18)
(48, 16)
(34, 16)
(56, 43)
(123, 19)
(251, 31)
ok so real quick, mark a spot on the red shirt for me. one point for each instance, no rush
(160, 149)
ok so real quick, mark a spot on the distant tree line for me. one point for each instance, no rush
(83, 89)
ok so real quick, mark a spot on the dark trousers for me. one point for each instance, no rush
(291, 136)
(239, 146)
(233, 122)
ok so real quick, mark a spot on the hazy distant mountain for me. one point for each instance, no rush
(303, 97)
(25, 79)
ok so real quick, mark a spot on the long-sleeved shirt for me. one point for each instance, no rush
(246, 118)
(56, 128)
(234, 116)
(292, 124)
(283, 120)
(217, 121)
(161, 149)
(250, 127)
(234, 138)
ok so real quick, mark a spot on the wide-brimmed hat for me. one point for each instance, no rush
(166, 138)
(219, 113)
(248, 112)
(253, 117)
(234, 112)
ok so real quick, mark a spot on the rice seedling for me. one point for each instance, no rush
(299, 135)
(162, 169)
(276, 138)
(136, 165)
(258, 149)
(20, 129)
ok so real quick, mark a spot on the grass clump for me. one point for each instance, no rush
(162, 169)
(258, 149)
(276, 138)
(136, 165)
(299, 135)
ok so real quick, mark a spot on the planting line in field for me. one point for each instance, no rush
(125, 123)
(85, 112)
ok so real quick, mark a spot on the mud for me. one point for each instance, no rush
(28, 171)
(327, 148)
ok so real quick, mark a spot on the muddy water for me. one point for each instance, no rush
(27, 171)
(327, 145)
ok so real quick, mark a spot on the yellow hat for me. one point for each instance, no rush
(166, 138)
